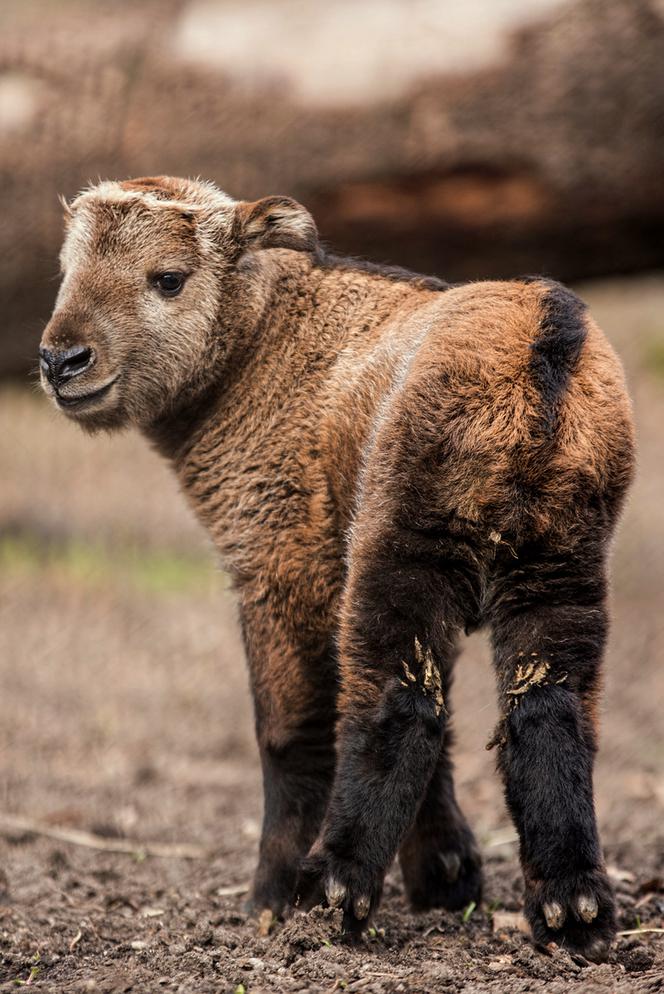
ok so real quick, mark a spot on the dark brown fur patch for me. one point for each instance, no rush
(328, 260)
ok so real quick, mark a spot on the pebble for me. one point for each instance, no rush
(500, 964)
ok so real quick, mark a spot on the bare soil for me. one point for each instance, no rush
(125, 713)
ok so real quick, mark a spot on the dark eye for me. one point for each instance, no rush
(169, 284)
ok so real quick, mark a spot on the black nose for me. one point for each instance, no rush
(63, 366)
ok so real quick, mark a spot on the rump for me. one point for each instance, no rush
(513, 420)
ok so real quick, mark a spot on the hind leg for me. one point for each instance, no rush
(400, 618)
(549, 627)
(439, 857)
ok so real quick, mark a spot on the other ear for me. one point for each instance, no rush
(275, 222)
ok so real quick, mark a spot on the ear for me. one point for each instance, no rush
(275, 222)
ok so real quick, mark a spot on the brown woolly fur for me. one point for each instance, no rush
(382, 461)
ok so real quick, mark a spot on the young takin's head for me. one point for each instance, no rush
(159, 281)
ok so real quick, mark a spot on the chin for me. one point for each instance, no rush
(96, 409)
(101, 419)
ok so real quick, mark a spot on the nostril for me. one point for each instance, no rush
(46, 359)
(73, 362)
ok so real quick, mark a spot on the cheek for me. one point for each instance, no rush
(172, 334)
(176, 335)
(153, 313)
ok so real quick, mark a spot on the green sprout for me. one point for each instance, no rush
(467, 912)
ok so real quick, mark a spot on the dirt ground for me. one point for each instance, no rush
(125, 713)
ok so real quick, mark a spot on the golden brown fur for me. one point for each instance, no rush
(380, 464)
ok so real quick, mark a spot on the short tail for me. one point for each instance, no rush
(557, 347)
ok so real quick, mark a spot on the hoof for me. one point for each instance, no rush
(576, 914)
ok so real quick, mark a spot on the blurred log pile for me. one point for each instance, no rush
(541, 152)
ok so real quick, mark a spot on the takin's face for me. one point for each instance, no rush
(155, 283)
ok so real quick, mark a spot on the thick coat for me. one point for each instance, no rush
(383, 461)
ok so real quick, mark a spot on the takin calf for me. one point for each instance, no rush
(383, 462)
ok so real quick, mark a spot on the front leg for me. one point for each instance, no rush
(294, 690)
(399, 620)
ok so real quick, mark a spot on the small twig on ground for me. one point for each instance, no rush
(232, 890)
(640, 931)
(360, 984)
(76, 837)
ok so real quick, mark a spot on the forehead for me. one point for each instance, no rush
(130, 229)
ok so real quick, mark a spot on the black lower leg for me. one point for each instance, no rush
(547, 652)
(398, 636)
(297, 777)
(386, 759)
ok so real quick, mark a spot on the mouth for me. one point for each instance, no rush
(85, 399)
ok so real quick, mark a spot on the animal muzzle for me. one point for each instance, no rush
(60, 367)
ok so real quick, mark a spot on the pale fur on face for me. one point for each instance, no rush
(151, 352)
